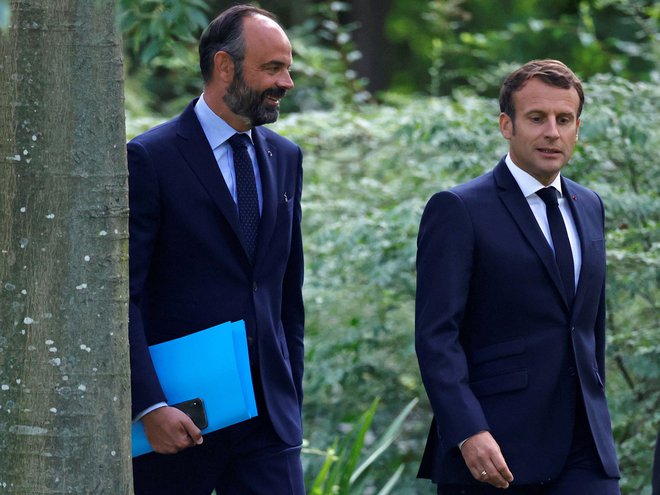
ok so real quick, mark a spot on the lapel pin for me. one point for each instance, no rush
(574, 197)
(270, 153)
(286, 198)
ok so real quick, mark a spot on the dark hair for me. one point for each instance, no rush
(225, 34)
(552, 72)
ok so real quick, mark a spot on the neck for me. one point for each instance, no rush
(214, 99)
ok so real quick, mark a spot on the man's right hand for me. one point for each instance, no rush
(485, 461)
(170, 430)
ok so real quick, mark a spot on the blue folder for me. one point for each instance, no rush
(211, 364)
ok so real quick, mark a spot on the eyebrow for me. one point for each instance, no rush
(543, 112)
(277, 63)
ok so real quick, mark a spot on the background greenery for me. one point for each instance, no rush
(375, 153)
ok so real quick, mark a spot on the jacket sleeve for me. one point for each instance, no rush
(143, 229)
(599, 327)
(293, 313)
(445, 248)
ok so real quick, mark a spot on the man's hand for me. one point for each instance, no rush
(170, 430)
(484, 458)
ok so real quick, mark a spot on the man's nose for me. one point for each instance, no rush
(285, 81)
(551, 129)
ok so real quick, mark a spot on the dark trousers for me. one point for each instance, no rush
(248, 458)
(583, 473)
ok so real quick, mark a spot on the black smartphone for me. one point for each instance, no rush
(194, 408)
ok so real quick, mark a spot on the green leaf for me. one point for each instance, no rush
(386, 440)
(150, 51)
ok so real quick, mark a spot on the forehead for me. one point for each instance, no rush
(537, 95)
(265, 40)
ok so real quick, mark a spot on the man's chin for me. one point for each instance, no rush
(266, 118)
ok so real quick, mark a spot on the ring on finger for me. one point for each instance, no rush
(483, 474)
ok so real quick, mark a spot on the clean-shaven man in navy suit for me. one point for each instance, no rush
(510, 311)
(215, 236)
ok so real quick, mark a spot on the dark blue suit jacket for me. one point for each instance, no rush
(189, 270)
(495, 337)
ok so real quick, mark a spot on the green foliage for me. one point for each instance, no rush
(340, 473)
(160, 28)
(160, 43)
(368, 174)
(474, 43)
(619, 154)
(323, 53)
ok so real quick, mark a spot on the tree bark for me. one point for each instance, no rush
(64, 367)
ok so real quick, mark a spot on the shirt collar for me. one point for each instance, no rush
(217, 131)
(527, 183)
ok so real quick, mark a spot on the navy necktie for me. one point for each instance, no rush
(246, 190)
(563, 253)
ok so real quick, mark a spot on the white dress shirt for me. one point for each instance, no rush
(529, 185)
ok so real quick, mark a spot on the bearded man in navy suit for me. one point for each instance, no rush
(215, 236)
(510, 311)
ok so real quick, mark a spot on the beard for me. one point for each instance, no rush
(250, 104)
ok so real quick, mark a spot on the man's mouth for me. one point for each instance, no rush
(274, 95)
(549, 151)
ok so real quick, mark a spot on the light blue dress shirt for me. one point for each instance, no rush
(217, 133)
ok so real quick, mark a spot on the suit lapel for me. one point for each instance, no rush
(266, 158)
(587, 270)
(514, 201)
(199, 156)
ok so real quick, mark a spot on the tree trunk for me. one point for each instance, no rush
(371, 41)
(64, 367)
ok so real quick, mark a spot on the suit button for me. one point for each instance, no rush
(571, 371)
(250, 340)
(255, 287)
(572, 328)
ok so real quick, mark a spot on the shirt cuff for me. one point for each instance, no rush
(460, 445)
(140, 415)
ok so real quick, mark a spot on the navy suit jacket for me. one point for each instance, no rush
(495, 338)
(189, 269)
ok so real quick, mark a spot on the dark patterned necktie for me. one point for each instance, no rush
(563, 253)
(246, 190)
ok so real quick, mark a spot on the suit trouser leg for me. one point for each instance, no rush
(583, 473)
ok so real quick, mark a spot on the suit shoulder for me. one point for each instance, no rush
(282, 143)
(584, 194)
(473, 189)
(575, 188)
(157, 134)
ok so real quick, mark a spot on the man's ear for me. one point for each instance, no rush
(223, 67)
(506, 126)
